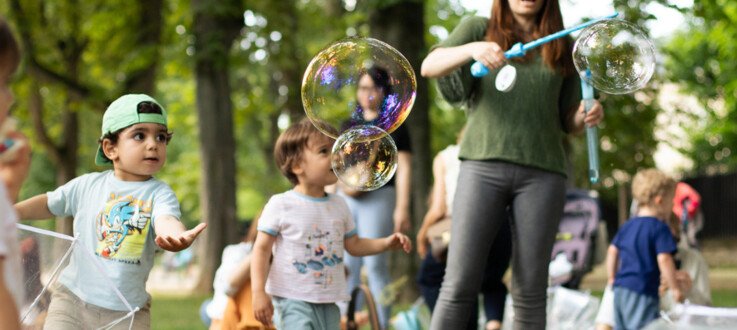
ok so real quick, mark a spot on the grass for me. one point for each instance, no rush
(719, 298)
(182, 313)
(724, 298)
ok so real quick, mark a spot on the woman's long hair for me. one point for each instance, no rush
(502, 29)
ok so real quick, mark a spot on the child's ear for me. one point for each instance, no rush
(297, 169)
(658, 200)
(110, 149)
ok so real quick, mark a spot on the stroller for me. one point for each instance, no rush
(576, 237)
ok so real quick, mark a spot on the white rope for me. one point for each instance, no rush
(54, 274)
(131, 314)
(45, 232)
(706, 311)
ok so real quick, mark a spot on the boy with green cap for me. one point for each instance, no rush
(120, 217)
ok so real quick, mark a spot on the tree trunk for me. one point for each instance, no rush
(287, 60)
(402, 26)
(216, 24)
(148, 39)
(66, 169)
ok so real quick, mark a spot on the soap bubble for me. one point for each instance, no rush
(358, 81)
(614, 56)
(363, 162)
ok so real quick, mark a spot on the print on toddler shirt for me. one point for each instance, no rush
(122, 228)
(320, 256)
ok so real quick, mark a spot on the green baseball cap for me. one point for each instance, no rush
(122, 113)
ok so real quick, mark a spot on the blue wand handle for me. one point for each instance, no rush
(518, 50)
(592, 133)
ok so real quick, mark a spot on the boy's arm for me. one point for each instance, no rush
(240, 275)
(34, 208)
(668, 272)
(612, 258)
(263, 310)
(171, 235)
(359, 247)
(8, 312)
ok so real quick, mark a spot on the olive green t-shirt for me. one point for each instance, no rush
(523, 126)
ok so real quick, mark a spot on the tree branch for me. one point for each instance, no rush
(35, 67)
(35, 107)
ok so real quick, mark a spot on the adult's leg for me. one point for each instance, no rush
(373, 213)
(492, 287)
(537, 209)
(478, 211)
(377, 220)
(353, 264)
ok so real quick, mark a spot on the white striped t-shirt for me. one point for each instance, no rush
(308, 252)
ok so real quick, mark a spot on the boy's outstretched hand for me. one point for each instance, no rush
(176, 243)
(399, 241)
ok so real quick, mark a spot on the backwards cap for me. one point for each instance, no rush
(122, 113)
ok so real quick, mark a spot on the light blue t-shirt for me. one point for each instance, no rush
(114, 220)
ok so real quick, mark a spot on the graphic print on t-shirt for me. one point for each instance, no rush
(320, 255)
(122, 228)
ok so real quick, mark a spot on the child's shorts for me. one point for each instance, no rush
(68, 312)
(633, 310)
(297, 314)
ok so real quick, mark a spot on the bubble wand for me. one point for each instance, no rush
(592, 133)
(519, 49)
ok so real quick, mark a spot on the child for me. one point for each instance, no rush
(643, 249)
(12, 174)
(234, 272)
(120, 216)
(308, 230)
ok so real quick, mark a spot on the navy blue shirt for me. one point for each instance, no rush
(639, 242)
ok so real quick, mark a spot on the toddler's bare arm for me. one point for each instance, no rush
(668, 271)
(171, 235)
(9, 312)
(612, 257)
(263, 310)
(34, 208)
(358, 246)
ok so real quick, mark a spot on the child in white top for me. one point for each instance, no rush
(120, 216)
(12, 173)
(307, 229)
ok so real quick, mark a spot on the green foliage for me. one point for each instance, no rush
(269, 56)
(701, 60)
(626, 136)
(446, 120)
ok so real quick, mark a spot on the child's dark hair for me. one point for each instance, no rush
(9, 50)
(143, 107)
(291, 144)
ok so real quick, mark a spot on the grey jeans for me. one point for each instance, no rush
(485, 190)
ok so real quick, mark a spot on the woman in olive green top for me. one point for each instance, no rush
(512, 153)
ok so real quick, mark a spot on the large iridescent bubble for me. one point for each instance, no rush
(337, 95)
(363, 162)
(615, 56)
